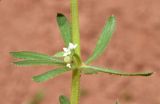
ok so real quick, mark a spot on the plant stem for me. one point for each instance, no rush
(75, 91)
(75, 25)
(75, 86)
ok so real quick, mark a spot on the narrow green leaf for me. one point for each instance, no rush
(116, 72)
(49, 75)
(103, 40)
(59, 54)
(64, 28)
(89, 71)
(39, 62)
(63, 100)
(31, 55)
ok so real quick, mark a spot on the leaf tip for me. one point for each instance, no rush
(112, 17)
(60, 15)
(63, 99)
(16, 63)
(149, 73)
(12, 53)
(35, 79)
(61, 96)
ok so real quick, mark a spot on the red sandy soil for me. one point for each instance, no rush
(135, 46)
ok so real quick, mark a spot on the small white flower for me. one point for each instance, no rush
(72, 46)
(68, 65)
(66, 51)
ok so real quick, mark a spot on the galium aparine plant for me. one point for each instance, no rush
(70, 58)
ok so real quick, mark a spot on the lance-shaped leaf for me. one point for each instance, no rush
(50, 74)
(31, 55)
(59, 54)
(116, 72)
(39, 62)
(63, 100)
(64, 28)
(103, 40)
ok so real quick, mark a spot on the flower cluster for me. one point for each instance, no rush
(67, 54)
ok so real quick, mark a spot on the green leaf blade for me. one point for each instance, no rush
(116, 72)
(49, 75)
(89, 71)
(63, 100)
(30, 55)
(104, 39)
(39, 62)
(59, 54)
(65, 28)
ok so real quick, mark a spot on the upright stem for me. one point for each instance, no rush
(75, 25)
(75, 91)
(75, 87)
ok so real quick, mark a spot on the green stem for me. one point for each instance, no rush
(75, 87)
(75, 25)
(75, 91)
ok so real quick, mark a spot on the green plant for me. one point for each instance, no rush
(70, 58)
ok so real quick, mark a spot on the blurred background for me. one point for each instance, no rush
(135, 46)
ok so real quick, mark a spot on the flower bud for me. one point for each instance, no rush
(67, 59)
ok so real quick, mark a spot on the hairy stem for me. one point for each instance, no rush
(75, 87)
